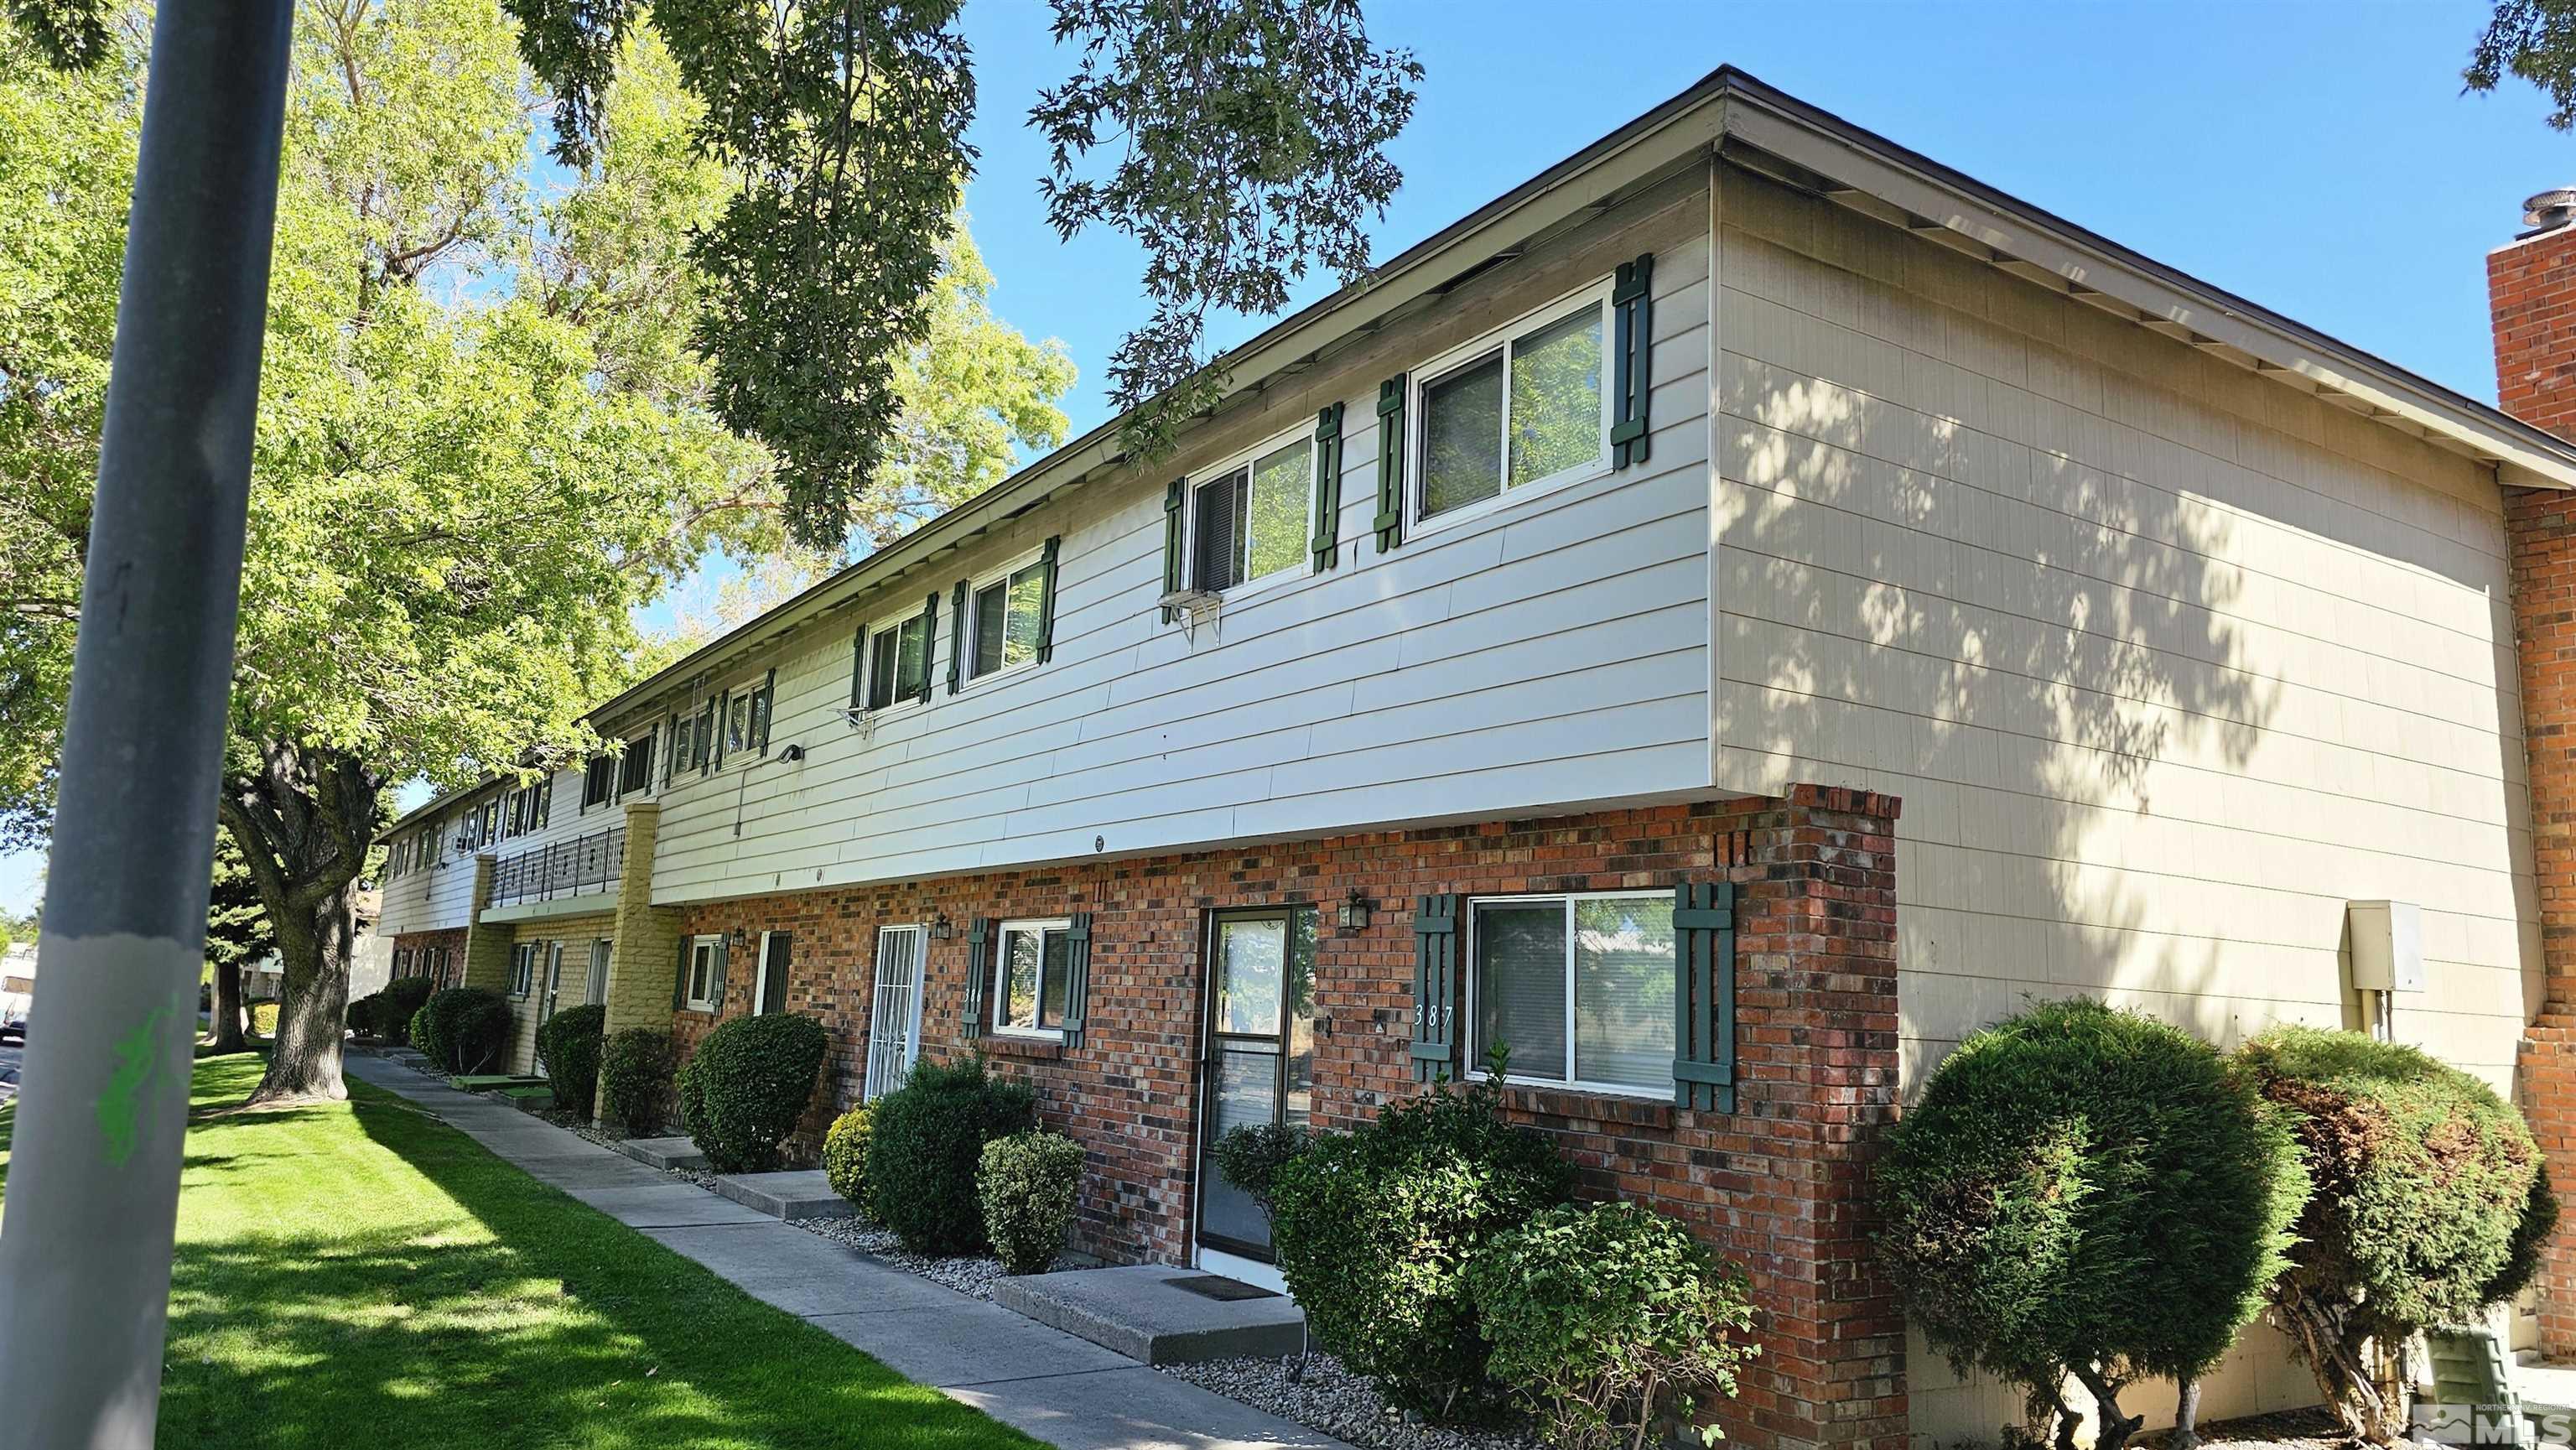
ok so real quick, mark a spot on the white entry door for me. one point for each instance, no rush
(894, 1019)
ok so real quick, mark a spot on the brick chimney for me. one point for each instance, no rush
(2531, 299)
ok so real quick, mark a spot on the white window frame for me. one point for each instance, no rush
(594, 988)
(995, 994)
(920, 935)
(1417, 418)
(967, 629)
(1569, 1083)
(523, 957)
(691, 998)
(1244, 460)
(740, 695)
(618, 789)
(760, 976)
(868, 660)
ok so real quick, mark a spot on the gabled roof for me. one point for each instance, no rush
(1731, 114)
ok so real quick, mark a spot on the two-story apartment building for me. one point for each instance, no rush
(1723, 620)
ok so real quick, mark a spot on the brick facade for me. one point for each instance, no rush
(1779, 1185)
(2532, 294)
(451, 940)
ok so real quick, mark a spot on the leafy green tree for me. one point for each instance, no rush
(1250, 137)
(486, 433)
(2533, 39)
(237, 936)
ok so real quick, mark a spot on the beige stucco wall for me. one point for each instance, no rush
(2167, 661)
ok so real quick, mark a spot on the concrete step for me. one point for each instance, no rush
(792, 1194)
(1157, 1314)
(484, 1082)
(529, 1099)
(663, 1152)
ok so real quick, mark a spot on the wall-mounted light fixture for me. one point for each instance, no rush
(940, 930)
(1355, 910)
(741, 938)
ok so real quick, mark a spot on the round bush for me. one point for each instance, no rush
(1607, 1322)
(845, 1156)
(2430, 1205)
(365, 1015)
(926, 1141)
(744, 1089)
(1026, 1184)
(1372, 1227)
(1251, 1156)
(398, 1003)
(2088, 1190)
(263, 1019)
(635, 1081)
(568, 1046)
(464, 1030)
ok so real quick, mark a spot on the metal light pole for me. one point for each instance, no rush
(94, 1171)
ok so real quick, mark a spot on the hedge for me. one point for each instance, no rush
(744, 1089)
(925, 1145)
(635, 1081)
(464, 1029)
(568, 1045)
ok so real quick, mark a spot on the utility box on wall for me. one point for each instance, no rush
(2387, 945)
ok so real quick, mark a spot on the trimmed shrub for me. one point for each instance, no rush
(464, 1029)
(845, 1156)
(635, 1081)
(1607, 1322)
(401, 1000)
(1251, 1156)
(1372, 1227)
(568, 1046)
(925, 1144)
(1026, 1184)
(743, 1090)
(2430, 1205)
(365, 1015)
(2086, 1191)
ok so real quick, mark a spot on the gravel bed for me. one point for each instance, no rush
(1317, 1392)
(581, 1127)
(969, 1276)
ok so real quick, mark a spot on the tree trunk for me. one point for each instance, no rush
(2366, 1398)
(2186, 1430)
(2115, 1428)
(304, 821)
(227, 1015)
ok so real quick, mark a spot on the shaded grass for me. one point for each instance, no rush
(355, 1273)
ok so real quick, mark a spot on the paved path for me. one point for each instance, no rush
(1066, 1391)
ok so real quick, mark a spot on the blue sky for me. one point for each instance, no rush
(2317, 158)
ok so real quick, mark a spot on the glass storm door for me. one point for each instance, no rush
(551, 968)
(1259, 1066)
(894, 1018)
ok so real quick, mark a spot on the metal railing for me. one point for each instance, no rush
(560, 868)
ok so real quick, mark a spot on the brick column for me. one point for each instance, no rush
(1817, 1075)
(487, 945)
(2531, 292)
(644, 942)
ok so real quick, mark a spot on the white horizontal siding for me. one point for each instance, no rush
(1549, 655)
(2166, 661)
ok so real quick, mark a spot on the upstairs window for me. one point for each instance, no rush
(1255, 518)
(635, 768)
(1530, 407)
(898, 661)
(1002, 625)
(598, 780)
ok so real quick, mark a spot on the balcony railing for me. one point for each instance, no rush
(560, 868)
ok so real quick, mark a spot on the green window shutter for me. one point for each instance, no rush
(979, 963)
(716, 985)
(1327, 543)
(929, 637)
(956, 638)
(764, 705)
(1435, 986)
(1632, 312)
(709, 718)
(773, 982)
(1046, 599)
(680, 983)
(1077, 975)
(1704, 995)
(859, 670)
(1389, 522)
(1174, 497)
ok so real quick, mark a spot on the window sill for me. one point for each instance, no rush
(1634, 1110)
(1468, 515)
(1034, 1049)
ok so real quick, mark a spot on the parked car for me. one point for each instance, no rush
(13, 1030)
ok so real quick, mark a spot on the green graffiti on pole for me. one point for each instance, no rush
(120, 1108)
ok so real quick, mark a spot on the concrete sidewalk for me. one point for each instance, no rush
(1063, 1390)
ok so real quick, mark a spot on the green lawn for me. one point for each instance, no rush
(361, 1274)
